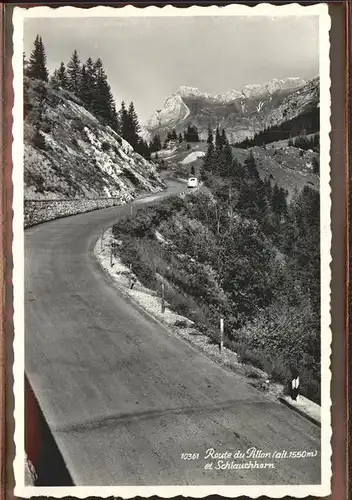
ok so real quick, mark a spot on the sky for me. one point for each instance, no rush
(148, 59)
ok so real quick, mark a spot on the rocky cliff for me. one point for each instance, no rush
(70, 154)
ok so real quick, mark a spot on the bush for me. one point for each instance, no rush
(39, 140)
(181, 323)
(105, 146)
(131, 176)
(45, 127)
(77, 124)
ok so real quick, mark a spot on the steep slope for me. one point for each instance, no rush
(69, 153)
(242, 113)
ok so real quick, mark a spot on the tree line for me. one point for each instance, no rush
(254, 260)
(88, 81)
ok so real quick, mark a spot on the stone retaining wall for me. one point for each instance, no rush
(37, 211)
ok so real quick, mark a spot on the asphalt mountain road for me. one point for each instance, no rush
(122, 396)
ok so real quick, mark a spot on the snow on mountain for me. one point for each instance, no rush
(242, 112)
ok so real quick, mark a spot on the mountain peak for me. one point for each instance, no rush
(248, 91)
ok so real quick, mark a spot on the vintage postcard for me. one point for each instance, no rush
(171, 248)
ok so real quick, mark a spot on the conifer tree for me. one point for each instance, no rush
(123, 116)
(155, 145)
(54, 80)
(217, 140)
(88, 84)
(103, 104)
(74, 73)
(85, 89)
(25, 65)
(251, 167)
(37, 62)
(209, 161)
(223, 139)
(134, 127)
(210, 136)
(316, 166)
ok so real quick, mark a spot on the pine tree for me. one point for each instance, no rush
(102, 103)
(85, 90)
(155, 145)
(25, 65)
(123, 116)
(251, 166)
(316, 166)
(74, 73)
(217, 140)
(88, 84)
(54, 79)
(210, 139)
(223, 139)
(209, 162)
(37, 62)
(225, 160)
(62, 76)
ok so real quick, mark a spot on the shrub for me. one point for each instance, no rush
(181, 323)
(45, 127)
(77, 124)
(131, 176)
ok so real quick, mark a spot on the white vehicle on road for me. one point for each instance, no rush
(192, 182)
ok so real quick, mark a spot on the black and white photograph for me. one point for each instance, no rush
(171, 247)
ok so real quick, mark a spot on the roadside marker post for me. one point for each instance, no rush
(162, 297)
(111, 256)
(102, 238)
(131, 281)
(221, 334)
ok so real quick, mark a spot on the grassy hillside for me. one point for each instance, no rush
(69, 153)
(288, 166)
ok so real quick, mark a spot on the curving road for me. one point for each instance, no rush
(123, 397)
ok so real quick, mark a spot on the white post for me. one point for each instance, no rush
(131, 210)
(102, 239)
(221, 334)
